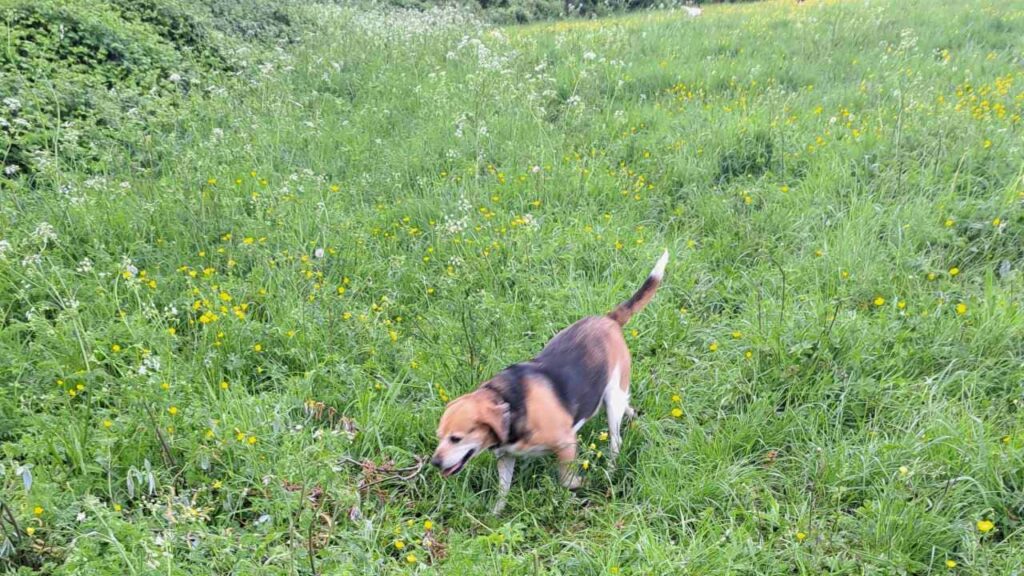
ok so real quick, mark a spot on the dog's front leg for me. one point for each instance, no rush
(506, 466)
(566, 457)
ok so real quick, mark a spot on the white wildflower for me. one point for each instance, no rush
(454, 225)
(44, 232)
(128, 267)
(149, 364)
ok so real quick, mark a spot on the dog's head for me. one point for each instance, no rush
(470, 425)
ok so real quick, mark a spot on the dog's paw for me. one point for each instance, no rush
(572, 482)
(498, 508)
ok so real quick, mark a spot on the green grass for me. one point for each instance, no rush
(847, 403)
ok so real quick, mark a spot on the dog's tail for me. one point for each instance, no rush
(625, 311)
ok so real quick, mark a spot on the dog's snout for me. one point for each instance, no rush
(436, 460)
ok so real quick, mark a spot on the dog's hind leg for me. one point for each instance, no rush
(616, 405)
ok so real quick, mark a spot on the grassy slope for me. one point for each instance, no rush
(816, 172)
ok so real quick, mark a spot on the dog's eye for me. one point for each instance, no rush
(455, 439)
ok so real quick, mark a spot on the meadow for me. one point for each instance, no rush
(233, 306)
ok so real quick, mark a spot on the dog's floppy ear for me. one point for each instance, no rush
(496, 417)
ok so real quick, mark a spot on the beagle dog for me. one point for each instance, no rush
(537, 406)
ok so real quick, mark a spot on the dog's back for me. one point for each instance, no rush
(577, 363)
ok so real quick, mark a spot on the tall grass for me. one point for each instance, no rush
(291, 275)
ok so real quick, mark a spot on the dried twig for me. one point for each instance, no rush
(467, 324)
(403, 474)
(827, 334)
(5, 513)
(168, 457)
(782, 273)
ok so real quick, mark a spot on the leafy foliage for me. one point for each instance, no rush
(80, 75)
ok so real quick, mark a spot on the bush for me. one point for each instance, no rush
(79, 67)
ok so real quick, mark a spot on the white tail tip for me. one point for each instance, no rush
(659, 269)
